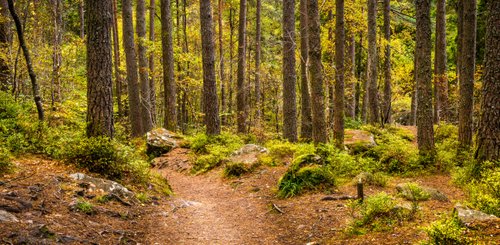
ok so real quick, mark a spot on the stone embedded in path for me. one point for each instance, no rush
(104, 185)
(471, 218)
(7, 217)
(160, 141)
(247, 154)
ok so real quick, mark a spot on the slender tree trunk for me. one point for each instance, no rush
(5, 75)
(99, 69)
(221, 64)
(210, 105)
(306, 122)
(116, 53)
(460, 25)
(440, 77)
(364, 108)
(330, 85)
(230, 82)
(372, 73)
(147, 122)
(31, 72)
(241, 87)
(168, 67)
(131, 61)
(468, 64)
(152, 87)
(386, 111)
(258, 98)
(56, 53)
(81, 10)
(338, 114)
(488, 137)
(351, 79)
(289, 75)
(315, 71)
(425, 131)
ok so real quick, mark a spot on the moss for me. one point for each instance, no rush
(414, 192)
(236, 170)
(84, 207)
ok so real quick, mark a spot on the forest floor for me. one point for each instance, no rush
(205, 209)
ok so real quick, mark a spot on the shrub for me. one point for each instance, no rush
(236, 170)
(279, 151)
(446, 231)
(414, 192)
(395, 154)
(5, 161)
(305, 173)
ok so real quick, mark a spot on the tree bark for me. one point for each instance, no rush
(306, 117)
(372, 73)
(241, 90)
(146, 113)
(31, 72)
(131, 61)
(116, 53)
(258, 98)
(221, 64)
(468, 64)
(5, 75)
(315, 71)
(425, 131)
(210, 105)
(488, 137)
(152, 87)
(440, 77)
(289, 74)
(56, 53)
(338, 113)
(170, 121)
(386, 111)
(230, 82)
(99, 69)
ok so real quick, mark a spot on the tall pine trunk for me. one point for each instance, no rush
(241, 87)
(146, 113)
(488, 137)
(116, 53)
(289, 74)
(258, 98)
(170, 120)
(372, 72)
(425, 131)
(152, 87)
(221, 64)
(467, 66)
(440, 77)
(99, 69)
(56, 53)
(305, 112)
(386, 110)
(315, 71)
(210, 103)
(134, 99)
(338, 113)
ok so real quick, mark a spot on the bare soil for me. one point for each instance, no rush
(205, 209)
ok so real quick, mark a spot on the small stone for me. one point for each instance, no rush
(7, 217)
(471, 218)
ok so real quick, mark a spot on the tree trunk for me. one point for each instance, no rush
(460, 25)
(56, 53)
(330, 87)
(221, 64)
(258, 98)
(5, 76)
(425, 131)
(488, 137)
(289, 75)
(146, 113)
(306, 117)
(131, 61)
(152, 87)
(338, 114)
(210, 105)
(440, 77)
(386, 111)
(230, 82)
(241, 90)
(468, 64)
(81, 10)
(351, 61)
(99, 69)
(116, 52)
(372, 73)
(31, 72)
(170, 93)
(315, 71)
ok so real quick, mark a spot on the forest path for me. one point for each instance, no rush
(208, 209)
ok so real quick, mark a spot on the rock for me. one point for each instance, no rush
(104, 185)
(7, 217)
(425, 193)
(160, 141)
(358, 140)
(248, 154)
(471, 218)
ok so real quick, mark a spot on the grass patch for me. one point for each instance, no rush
(84, 207)
(413, 192)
